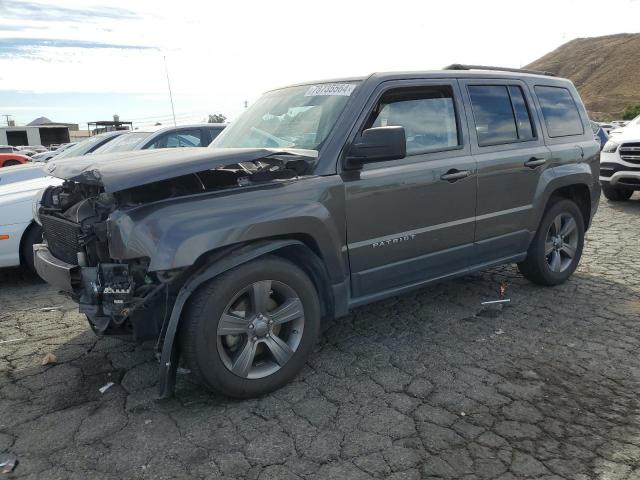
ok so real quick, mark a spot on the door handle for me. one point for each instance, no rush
(454, 175)
(534, 162)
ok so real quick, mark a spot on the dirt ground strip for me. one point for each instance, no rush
(424, 385)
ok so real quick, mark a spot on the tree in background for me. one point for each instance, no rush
(631, 112)
(217, 118)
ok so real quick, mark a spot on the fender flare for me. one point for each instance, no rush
(170, 355)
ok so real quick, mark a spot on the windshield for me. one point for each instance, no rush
(294, 117)
(80, 148)
(123, 143)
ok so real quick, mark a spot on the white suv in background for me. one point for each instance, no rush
(620, 163)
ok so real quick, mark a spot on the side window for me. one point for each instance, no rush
(427, 114)
(559, 111)
(521, 111)
(183, 138)
(501, 114)
(214, 132)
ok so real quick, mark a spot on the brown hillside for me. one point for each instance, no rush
(606, 71)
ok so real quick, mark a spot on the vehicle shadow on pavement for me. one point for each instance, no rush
(430, 383)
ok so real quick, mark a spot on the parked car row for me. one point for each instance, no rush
(49, 154)
(608, 127)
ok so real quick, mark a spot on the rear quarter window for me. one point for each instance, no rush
(560, 111)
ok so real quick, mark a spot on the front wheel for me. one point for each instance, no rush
(616, 194)
(250, 330)
(556, 248)
(32, 236)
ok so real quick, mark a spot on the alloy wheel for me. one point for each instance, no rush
(260, 329)
(561, 242)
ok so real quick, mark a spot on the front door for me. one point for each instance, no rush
(412, 220)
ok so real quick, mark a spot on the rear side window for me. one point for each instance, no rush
(559, 111)
(182, 138)
(214, 132)
(501, 114)
(427, 114)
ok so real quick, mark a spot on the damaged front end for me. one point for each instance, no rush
(75, 257)
(83, 247)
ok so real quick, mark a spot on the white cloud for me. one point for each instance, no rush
(226, 52)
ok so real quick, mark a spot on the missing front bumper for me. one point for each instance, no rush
(53, 270)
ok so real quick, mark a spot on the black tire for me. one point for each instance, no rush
(11, 163)
(31, 236)
(199, 341)
(616, 194)
(536, 267)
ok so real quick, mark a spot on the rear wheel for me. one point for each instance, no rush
(32, 236)
(250, 330)
(616, 194)
(11, 163)
(556, 248)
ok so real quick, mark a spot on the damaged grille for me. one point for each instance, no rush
(62, 237)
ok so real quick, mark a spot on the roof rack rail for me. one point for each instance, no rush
(459, 66)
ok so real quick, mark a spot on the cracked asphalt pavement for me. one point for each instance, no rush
(425, 385)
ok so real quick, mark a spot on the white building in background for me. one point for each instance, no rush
(52, 133)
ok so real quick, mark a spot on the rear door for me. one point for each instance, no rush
(508, 146)
(412, 220)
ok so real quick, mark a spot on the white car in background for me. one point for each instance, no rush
(18, 231)
(620, 163)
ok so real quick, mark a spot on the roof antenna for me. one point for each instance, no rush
(166, 69)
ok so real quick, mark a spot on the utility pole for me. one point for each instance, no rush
(166, 69)
(6, 116)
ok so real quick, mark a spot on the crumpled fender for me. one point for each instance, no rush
(175, 233)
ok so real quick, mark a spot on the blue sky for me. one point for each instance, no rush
(78, 61)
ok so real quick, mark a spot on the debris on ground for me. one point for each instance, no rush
(499, 332)
(503, 289)
(51, 309)
(11, 340)
(183, 371)
(49, 358)
(491, 302)
(106, 387)
(8, 462)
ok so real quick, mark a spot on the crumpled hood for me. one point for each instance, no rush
(123, 170)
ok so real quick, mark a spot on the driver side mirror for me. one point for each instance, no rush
(377, 145)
